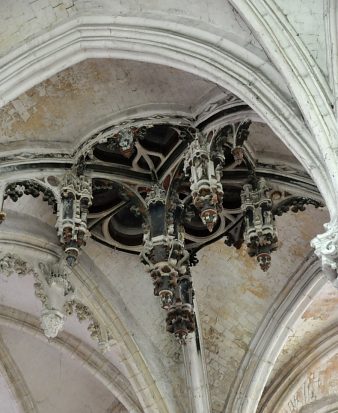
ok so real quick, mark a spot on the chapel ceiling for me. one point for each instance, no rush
(127, 126)
(60, 112)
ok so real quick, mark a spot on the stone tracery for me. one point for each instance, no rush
(175, 182)
(119, 214)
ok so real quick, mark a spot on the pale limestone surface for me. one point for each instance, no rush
(65, 389)
(307, 20)
(233, 295)
(292, 46)
(59, 113)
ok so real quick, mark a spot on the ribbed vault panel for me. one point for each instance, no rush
(56, 381)
(8, 403)
(319, 317)
(233, 295)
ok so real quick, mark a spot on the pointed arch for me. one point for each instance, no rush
(111, 377)
(190, 49)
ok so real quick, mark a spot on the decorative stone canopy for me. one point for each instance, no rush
(168, 130)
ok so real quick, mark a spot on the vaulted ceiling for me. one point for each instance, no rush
(74, 76)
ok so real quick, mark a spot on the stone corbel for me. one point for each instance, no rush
(326, 248)
(54, 290)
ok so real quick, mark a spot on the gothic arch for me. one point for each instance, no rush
(89, 358)
(16, 381)
(189, 49)
(35, 249)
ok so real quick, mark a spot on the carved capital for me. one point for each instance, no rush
(12, 264)
(326, 248)
(97, 331)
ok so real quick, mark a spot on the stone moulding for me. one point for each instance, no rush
(331, 20)
(326, 248)
(15, 380)
(194, 51)
(305, 80)
(22, 182)
(91, 360)
(271, 335)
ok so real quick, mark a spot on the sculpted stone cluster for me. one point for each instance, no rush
(174, 179)
(58, 297)
(167, 261)
(54, 290)
(205, 178)
(76, 198)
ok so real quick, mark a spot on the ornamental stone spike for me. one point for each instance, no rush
(167, 260)
(260, 232)
(326, 248)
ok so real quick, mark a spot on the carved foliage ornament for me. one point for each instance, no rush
(57, 296)
(12, 264)
(123, 142)
(164, 251)
(260, 232)
(97, 331)
(16, 190)
(326, 248)
(151, 155)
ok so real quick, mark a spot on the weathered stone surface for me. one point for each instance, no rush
(233, 295)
